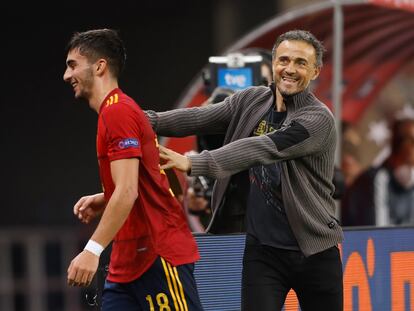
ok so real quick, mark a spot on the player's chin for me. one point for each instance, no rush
(79, 94)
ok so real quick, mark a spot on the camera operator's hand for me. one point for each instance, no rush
(174, 160)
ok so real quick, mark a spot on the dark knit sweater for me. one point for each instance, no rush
(305, 145)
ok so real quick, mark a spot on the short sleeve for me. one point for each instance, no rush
(123, 132)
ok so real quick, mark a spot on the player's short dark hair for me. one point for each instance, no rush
(100, 43)
(305, 36)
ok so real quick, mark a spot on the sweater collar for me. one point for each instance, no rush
(293, 101)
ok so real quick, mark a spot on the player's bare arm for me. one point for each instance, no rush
(125, 177)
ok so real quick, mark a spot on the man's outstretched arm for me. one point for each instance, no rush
(300, 138)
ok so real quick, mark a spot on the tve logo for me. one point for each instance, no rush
(235, 78)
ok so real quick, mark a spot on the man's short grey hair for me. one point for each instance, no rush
(305, 36)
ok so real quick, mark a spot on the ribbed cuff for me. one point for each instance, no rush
(199, 166)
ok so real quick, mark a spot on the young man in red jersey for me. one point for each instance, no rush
(153, 250)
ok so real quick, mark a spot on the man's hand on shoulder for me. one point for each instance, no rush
(174, 160)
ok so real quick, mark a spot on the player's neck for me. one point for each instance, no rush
(101, 90)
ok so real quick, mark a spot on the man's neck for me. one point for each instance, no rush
(100, 92)
(282, 101)
(279, 101)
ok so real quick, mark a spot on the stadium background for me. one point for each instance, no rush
(49, 139)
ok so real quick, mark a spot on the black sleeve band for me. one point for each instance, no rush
(289, 136)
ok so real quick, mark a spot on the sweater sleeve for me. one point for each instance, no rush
(207, 119)
(305, 135)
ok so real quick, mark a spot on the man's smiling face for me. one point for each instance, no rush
(294, 66)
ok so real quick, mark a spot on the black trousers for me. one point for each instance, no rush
(269, 273)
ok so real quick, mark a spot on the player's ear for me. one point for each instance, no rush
(101, 65)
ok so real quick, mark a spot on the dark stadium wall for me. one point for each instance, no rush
(48, 138)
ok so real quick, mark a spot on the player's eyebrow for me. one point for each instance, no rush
(70, 62)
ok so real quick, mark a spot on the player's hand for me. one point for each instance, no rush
(174, 160)
(88, 207)
(82, 269)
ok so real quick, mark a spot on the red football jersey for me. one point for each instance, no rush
(156, 224)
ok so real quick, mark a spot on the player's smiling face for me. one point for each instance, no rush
(294, 66)
(79, 74)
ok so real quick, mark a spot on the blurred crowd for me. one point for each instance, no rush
(381, 194)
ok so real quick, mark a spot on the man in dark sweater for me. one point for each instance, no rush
(278, 159)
